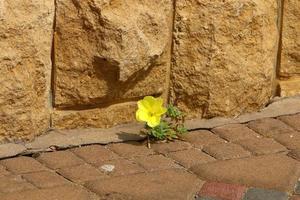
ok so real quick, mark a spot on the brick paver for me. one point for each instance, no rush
(59, 159)
(234, 161)
(262, 194)
(292, 120)
(119, 167)
(234, 132)
(45, 179)
(14, 183)
(167, 147)
(167, 185)
(21, 165)
(81, 173)
(271, 171)
(291, 141)
(222, 191)
(191, 157)
(95, 153)
(132, 149)
(261, 146)
(156, 162)
(226, 151)
(270, 127)
(202, 138)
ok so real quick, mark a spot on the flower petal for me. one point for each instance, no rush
(142, 115)
(153, 121)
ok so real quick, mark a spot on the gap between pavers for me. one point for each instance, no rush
(62, 139)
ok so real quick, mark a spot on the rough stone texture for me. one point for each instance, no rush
(261, 146)
(272, 171)
(3, 171)
(226, 151)
(191, 157)
(175, 184)
(25, 60)
(102, 54)
(216, 45)
(10, 150)
(295, 154)
(290, 52)
(222, 191)
(234, 132)
(290, 87)
(104, 117)
(262, 194)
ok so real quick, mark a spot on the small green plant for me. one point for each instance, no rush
(161, 123)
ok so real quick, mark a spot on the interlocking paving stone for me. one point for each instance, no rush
(170, 184)
(81, 173)
(45, 179)
(95, 153)
(156, 162)
(3, 171)
(291, 141)
(57, 193)
(14, 183)
(131, 149)
(207, 198)
(226, 151)
(167, 147)
(270, 127)
(262, 194)
(23, 164)
(234, 132)
(261, 146)
(295, 154)
(222, 191)
(292, 120)
(295, 197)
(270, 171)
(191, 157)
(59, 159)
(202, 138)
(120, 167)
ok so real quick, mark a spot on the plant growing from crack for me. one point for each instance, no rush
(162, 123)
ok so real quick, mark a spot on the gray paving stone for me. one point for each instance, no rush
(262, 194)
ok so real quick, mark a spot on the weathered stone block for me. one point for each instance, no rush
(25, 60)
(290, 87)
(290, 52)
(111, 50)
(224, 55)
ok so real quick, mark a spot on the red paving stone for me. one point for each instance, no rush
(226, 151)
(130, 150)
(222, 191)
(95, 153)
(156, 162)
(167, 147)
(292, 120)
(234, 132)
(59, 159)
(23, 164)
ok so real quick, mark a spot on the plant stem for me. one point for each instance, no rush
(148, 142)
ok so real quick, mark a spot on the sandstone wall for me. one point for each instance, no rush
(210, 57)
(26, 28)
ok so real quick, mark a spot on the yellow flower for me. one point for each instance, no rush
(150, 110)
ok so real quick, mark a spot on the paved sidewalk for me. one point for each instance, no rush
(259, 160)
